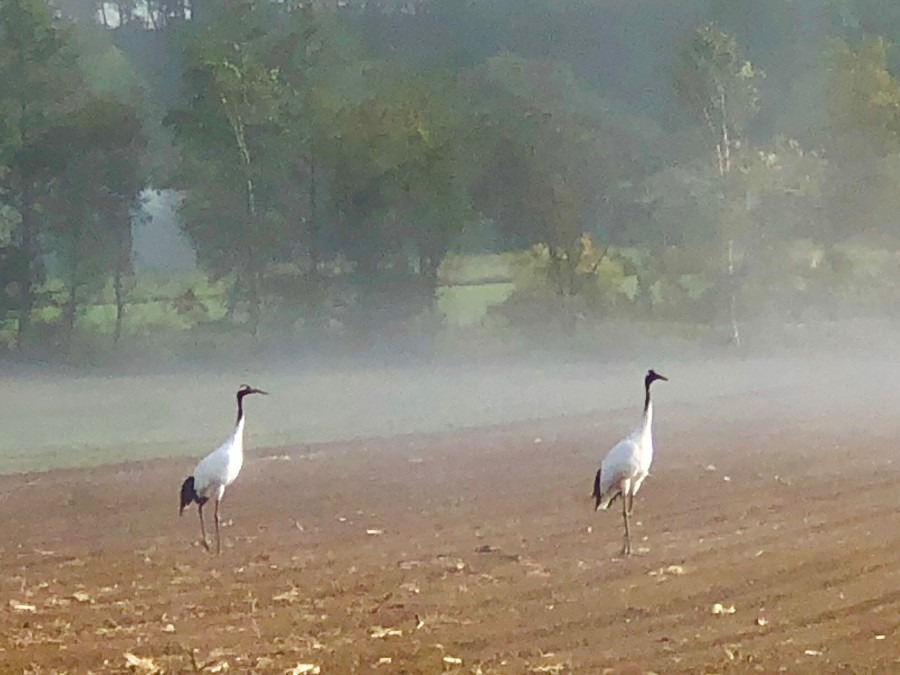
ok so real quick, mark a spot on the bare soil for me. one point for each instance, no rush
(764, 543)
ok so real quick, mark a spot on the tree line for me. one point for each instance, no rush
(681, 144)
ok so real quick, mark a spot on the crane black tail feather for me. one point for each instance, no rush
(596, 495)
(188, 494)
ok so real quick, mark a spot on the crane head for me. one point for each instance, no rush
(653, 376)
(245, 389)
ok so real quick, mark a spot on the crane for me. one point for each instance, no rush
(218, 469)
(628, 464)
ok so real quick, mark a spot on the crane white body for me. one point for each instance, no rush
(627, 465)
(221, 467)
(217, 470)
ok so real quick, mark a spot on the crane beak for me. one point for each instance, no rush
(259, 391)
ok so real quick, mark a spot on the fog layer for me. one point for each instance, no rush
(76, 420)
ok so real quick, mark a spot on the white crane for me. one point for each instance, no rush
(218, 469)
(628, 464)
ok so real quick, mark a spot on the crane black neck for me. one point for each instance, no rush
(240, 401)
(648, 380)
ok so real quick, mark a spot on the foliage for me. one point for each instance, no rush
(558, 157)
(39, 88)
(400, 168)
(719, 88)
(230, 118)
(93, 197)
(332, 156)
(864, 95)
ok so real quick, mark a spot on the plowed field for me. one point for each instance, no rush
(768, 540)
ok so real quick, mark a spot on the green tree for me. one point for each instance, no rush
(92, 198)
(400, 164)
(428, 188)
(231, 115)
(721, 91)
(863, 103)
(312, 51)
(719, 88)
(559, 161)
(39, 88)
(864, 98)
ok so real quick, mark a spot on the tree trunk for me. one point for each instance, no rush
(723, 156)
(315, 308)
(69, 314)
(28, 229)
(231, 301)
(732, 302)
(122, 270)
(71, 305)
(253, 299)
(253, 280)
(315, 255)
(723, 147)
(120, 305)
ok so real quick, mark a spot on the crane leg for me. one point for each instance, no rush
(203, 527)
(218, 541)
(626, 549)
